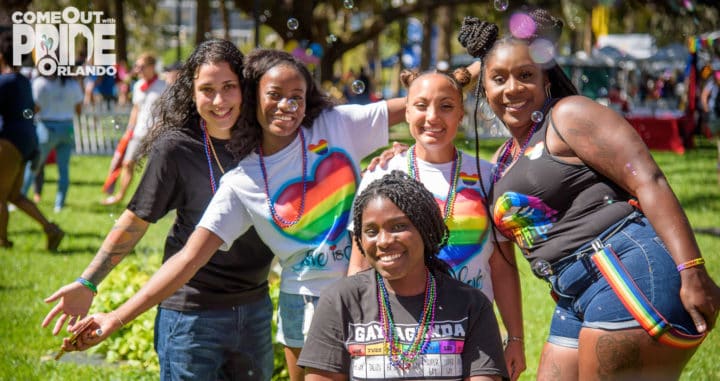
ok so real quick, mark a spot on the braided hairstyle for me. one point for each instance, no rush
(458, 78)
(419, 206)
(248, 136)
(480, 38)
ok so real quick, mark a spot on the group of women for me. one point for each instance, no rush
(436, 231)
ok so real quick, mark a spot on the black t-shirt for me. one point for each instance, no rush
(177, 177)
(346, 335)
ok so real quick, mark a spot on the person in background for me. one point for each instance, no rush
(577, 190)
(145, 92)
(406, 317)
(710, 107)
(58, 99)
(18, 145)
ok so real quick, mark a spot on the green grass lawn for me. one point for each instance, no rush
(29, 273)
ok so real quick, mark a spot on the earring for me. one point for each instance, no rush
(547, 92)
(486, 113)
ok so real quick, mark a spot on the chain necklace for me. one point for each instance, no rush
(414, 172)
(281, 222)
(509, 144)
(209, 147)
(404, 359)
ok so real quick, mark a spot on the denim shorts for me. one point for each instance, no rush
(585, 299)
(225, 344)
(295, 312)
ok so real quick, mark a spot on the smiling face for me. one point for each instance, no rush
(434, 111)
(514, 84)
(217, 96)
(281, 94)
(392, 244)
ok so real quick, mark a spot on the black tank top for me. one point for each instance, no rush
(549, 207)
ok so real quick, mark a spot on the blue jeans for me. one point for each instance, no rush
(58, 135)
(295, 312)
(228, 344)
(585, 299)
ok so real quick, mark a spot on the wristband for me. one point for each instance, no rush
(118, 319)
(513, 338)
(87, 284)
(690, 263)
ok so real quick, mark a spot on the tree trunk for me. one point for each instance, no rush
(202, 21)
(225, 20)
(426, 55)
(445, 33)
(120, 32)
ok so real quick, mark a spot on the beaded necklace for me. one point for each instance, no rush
(509, 144)
(281, 222)
(414, 172)
(209, 147)
(404, 359)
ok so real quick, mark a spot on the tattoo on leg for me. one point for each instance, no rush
(618, 356)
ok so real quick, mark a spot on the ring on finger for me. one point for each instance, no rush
(98, 332)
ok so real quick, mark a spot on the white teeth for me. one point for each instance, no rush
(432, 129)
(283, 117)
(390, 257)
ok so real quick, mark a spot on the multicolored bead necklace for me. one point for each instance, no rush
(501, 165)
(414, 171)
(281, 222)
(209, 147)
(404, 359)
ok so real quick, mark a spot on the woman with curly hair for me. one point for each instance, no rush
(406, 317)
(197, 335)
(633, 299)
(295, 182)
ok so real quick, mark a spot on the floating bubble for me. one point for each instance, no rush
(443, 65)
(501, 5)
(28, 113)
(267, 13)
(358, 86)
(349, 4)
(584, 78)
(292, 105)
(542, 51)
(522, 25)
(331, 39)
(485, 111)
(262, 18)
(537, 116)
(293, 23)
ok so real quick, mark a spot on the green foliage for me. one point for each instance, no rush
(134, 342)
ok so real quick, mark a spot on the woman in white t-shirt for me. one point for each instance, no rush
(434, 111)
(295, 184)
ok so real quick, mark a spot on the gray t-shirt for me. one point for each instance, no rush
(346, 335)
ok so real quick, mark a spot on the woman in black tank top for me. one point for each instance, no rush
(573, 171)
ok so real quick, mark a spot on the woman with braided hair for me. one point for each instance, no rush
(432, 325)
(633, 297)
(434, 110)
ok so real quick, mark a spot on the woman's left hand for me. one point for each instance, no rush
(701, 297)
(515, 359)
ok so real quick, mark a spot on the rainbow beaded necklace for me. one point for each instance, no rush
(209, 147)
(414, 171)
(509, 144)
(404, 359)
(279, 221)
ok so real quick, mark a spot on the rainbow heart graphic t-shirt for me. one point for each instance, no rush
(309, 229)
(469, 248)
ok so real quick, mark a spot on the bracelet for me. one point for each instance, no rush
(118, 319)
(513, 338)
(87, 284)
(691, 263)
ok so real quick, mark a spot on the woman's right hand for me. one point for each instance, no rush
(91, 331)
(75, 300)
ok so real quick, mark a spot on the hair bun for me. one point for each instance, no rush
(547, 25)
(462, 76)
(477, 36)
(407, 77)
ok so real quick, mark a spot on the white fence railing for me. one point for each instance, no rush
(99, 129)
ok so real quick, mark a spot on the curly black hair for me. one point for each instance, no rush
(175, 110)
(419, 206)
(247, 138)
